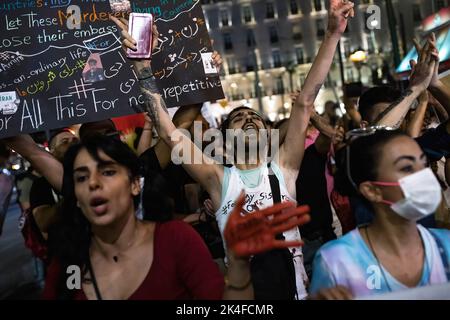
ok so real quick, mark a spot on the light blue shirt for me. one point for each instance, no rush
(349, 262)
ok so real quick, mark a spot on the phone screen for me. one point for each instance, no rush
(140, 28)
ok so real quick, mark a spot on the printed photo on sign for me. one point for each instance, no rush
(208, 65)
(120, 6)
(93, 71)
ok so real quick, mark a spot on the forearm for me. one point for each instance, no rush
(238, 285)
(415, 127)
(42, 161)
(185, 116)
(319, 70)
(155, 105)
(145, 141)
(292, 150)
(442, 94)
(323, 126)
(394, 115)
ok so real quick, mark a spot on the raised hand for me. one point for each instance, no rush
(129, 43)
(424, 70)
(338, 15)
(217, 58)
(255, 232)
(433, 45)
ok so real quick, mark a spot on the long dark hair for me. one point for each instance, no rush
(70, 238)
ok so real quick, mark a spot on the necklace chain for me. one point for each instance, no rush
(130, 243)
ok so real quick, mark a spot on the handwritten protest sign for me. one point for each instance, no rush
(61, 61)
(181, 62)
(61, 64)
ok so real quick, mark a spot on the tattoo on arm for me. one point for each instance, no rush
(314, 94)
(392, 106)
(145, 73)
(322, 125)
(398, 124)
(151, 94)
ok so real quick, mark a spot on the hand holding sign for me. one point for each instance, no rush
(255, 232)
(129, 43)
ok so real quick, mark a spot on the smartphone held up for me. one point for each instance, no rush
(140, 28)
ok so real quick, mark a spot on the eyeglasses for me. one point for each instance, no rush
(351, 136)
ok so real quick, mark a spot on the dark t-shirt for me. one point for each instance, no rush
(41, 193)
(435, 142)
(311, 187)
(175, 175)
(182, 269)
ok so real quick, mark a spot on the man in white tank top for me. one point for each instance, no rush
(224, 184)
(258, 193)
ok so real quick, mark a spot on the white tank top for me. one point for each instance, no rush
(260, 197)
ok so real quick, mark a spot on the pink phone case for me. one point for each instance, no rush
(140, 29)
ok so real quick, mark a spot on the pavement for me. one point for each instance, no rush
(20, 273)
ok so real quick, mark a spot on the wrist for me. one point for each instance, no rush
(333, 35)
(436, 85)
(148, 125)
(416, 89)
(144, 73)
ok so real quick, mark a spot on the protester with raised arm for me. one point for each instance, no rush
(123, 258)
(224, 184)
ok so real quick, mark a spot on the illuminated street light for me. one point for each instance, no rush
(358, 58)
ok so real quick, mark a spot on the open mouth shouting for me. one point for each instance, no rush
(99, 205)
(250, 126)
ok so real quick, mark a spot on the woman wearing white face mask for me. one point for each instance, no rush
(388, 170)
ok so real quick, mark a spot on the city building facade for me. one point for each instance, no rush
(268, 46)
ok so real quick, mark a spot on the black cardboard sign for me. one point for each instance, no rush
(45, 81)
(177, 62)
